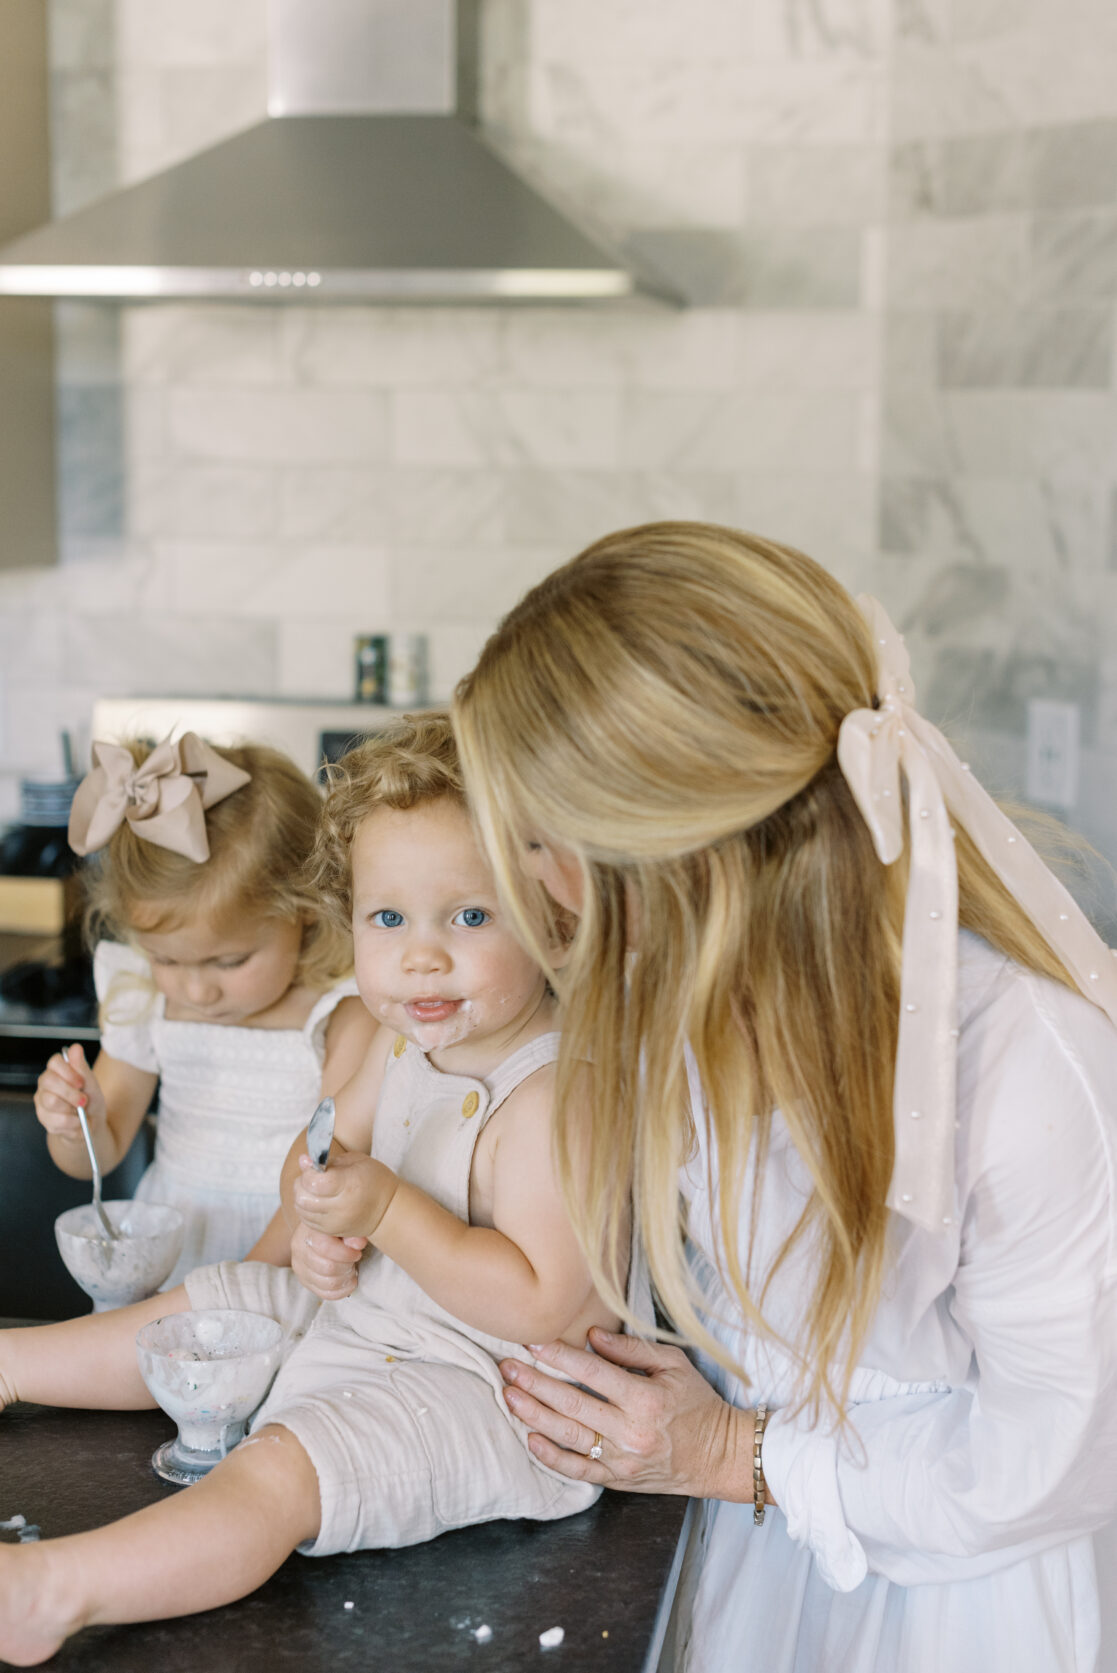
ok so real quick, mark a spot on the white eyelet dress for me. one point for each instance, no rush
(396, 1402)
(231, 1101)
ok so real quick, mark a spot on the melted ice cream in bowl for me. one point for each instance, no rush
(148, 1243)
(209, 1371)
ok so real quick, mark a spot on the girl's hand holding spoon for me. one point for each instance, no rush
(68, 1085)
(83, 1099)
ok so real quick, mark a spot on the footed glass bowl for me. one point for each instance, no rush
(132, 1267)
(209, 1371)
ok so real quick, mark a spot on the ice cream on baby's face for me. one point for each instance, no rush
(435, 958)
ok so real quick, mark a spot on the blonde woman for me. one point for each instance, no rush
(853, 1040)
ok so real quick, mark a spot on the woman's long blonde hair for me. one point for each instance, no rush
(666, 706)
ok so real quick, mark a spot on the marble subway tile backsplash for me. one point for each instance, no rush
(958, 262)
(1027, 348)
(1074, 256)
(1074, 164)
(561, 428)
(172, 499)
(998, 493)
(1069, 166)
(193, 652)
(278, 426)
(92, 494)
(896, 230)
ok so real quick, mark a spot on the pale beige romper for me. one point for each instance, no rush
(397, 1403)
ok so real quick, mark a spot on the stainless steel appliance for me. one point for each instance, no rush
(368, 181)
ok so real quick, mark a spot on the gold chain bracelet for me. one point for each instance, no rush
(759, 1486)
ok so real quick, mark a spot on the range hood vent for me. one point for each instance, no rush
(367, 182)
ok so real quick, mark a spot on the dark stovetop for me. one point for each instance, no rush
(44, 987)
(606, 1577)
(46, 1001)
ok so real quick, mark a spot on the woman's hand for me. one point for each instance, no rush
(325, 1265)
(663, 1431)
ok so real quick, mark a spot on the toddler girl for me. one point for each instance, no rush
(218, 983)
(385, 1425)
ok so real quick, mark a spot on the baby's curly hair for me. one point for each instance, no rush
(413, 761)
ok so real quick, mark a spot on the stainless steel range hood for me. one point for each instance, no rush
(367, 182)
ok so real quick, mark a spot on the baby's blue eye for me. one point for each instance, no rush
(387, 918)
(472, 917)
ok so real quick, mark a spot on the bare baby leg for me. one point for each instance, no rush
(209, 1545)
(88, 1362)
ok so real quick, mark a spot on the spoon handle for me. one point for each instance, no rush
(110, 1229)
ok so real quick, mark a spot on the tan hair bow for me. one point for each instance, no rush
(164, 799)
(876, 746)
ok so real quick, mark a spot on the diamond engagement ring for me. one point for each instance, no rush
(595, 1450)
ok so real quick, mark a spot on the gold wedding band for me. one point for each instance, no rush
(595, 1450)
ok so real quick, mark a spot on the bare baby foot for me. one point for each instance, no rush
(30, 1630)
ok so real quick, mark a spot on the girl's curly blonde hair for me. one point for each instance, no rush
(260, 839)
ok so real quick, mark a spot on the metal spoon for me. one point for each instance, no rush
(320, 1133)
(110, 1229)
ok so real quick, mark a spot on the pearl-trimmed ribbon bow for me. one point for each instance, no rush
(164, 800)
(876, 747)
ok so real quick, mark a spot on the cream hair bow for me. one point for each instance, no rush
(164, 800)
(876, 747)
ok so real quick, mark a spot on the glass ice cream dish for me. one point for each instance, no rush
(209, 1371)
(117, 1271)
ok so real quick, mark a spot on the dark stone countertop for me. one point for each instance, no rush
(606, 1576)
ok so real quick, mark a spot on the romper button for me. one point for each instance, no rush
(470, 1103)
(400, 1046)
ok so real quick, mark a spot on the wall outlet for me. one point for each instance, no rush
(1053, 753)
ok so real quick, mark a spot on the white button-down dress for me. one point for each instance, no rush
(950, 1530)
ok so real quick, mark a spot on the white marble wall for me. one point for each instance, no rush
(999, 435)
(244, 489)
(896, 219)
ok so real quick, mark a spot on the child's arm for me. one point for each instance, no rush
(116, 1097)
(524, 1278)
(274, 1242)
(324, 1264)
(355, 1104)
(347, 1040)
(349, 1035)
